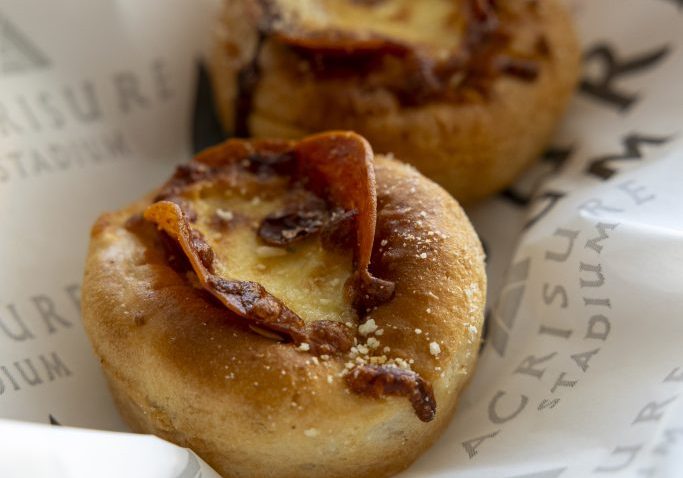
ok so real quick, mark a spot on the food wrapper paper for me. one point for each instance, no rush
(581, 372)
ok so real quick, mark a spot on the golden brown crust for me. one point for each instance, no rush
(473, 141)
(251, 406)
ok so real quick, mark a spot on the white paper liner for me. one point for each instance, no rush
(583, 368)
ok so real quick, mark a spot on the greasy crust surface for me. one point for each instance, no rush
(255, 407)
(472, 145)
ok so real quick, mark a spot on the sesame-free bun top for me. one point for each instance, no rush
(467, 91)
(289, 309)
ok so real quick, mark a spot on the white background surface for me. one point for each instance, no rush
(558, 392)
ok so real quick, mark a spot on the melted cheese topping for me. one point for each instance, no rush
(435, 25)
(307, 277)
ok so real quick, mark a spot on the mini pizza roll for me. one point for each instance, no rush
(468, 91)
(289, 309)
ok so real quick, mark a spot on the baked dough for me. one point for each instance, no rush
(468, 91)
(289, 309)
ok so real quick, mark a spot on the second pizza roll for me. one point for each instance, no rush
(468, 91)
